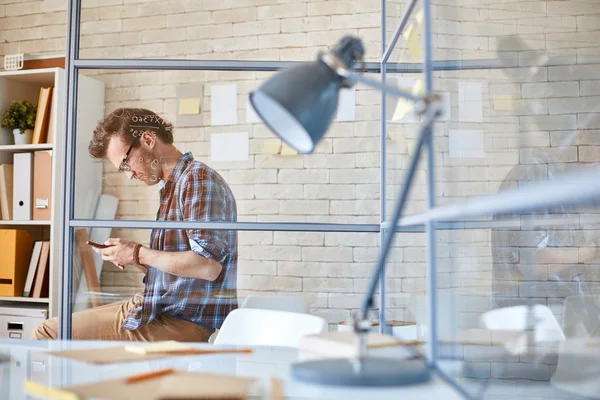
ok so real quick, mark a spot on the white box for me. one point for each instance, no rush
(18, 322)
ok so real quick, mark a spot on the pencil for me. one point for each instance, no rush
(149, 375)
(202, 351)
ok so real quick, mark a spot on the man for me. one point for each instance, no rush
(190, 274)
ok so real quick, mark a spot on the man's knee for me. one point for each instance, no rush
(43, 331)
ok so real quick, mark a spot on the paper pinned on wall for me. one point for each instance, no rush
(347, 105)
(412, 42)
(419, 17)
(271, 147)
(503, 102)
(223, 104)
(229, 146)
(398, 109)
(470, 102)
(189, 106)
(418, 89)
(251, 115)
(286, 150)
(465, 143)
(403, 110)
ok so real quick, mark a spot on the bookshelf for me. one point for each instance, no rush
(26, 84)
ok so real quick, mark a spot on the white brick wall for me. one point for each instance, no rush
(548, 121)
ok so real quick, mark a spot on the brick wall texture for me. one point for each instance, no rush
(531, 118)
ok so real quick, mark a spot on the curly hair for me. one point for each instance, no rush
(128, 123)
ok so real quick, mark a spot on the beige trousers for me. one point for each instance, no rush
(104, 323)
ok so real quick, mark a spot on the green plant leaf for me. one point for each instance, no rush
(20, 115)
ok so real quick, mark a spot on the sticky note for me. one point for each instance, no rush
(347, 105)
(412, 42)
(272, 147)
(223, 104)
(502, 102)
(156, 347)
(189, 106)
(286, 150)
(419, 17)
(465, 143)
(229, 146)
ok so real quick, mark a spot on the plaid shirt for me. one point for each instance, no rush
(193, 192)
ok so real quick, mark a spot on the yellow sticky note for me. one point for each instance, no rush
(410, 147)
(412, 42)
(419, 17)
(503, 102)
(402, 108)
(417, 89)
(287, 150)
(189, 106)
(272, 147)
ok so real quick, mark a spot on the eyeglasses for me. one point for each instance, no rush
(125, 167)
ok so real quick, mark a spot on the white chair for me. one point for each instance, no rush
(281, 303)
(256, 327)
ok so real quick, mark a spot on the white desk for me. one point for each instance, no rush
(28, 361)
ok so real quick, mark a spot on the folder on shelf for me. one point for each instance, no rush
(33, 263)
(51, 119)
(40, 129)
(15, 251)
(40, 287)
(42, 185)
(22, 193)
(6, 191)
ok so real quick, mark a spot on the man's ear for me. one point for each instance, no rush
(149, 139)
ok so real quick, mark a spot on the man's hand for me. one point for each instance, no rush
(119, 253)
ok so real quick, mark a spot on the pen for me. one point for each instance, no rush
(149, 375)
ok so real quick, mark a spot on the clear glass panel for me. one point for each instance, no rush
(338, 183)
(520, 311)
(325, 271)
(226, 30)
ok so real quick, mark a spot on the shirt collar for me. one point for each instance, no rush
(179, 168)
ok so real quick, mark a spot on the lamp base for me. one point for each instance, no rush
(371, 372)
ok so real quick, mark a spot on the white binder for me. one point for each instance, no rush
(22, 190)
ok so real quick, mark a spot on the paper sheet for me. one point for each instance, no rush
(399, 109)
(419, 17)
(412, 42)
(223, 104)
(465, 143)
(251, 115)
(470, 102)
(229, 146)
(347, 105)
(189, 106)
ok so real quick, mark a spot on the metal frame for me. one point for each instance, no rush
(586, 187)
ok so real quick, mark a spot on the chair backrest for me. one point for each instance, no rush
(281, 303)
(256, 327)
(516, 319)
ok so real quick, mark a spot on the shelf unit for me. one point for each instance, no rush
(26, 84)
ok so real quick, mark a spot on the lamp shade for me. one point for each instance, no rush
(299, 103)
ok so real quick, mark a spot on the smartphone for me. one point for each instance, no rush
(98, 245)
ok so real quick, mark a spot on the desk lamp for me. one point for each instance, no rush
(299, 104)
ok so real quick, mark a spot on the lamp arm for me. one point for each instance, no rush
(387, 244)
(358, 78)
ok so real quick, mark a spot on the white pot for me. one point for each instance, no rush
(25, 138)
(6, 138)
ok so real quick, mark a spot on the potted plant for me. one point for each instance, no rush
(20, 117)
